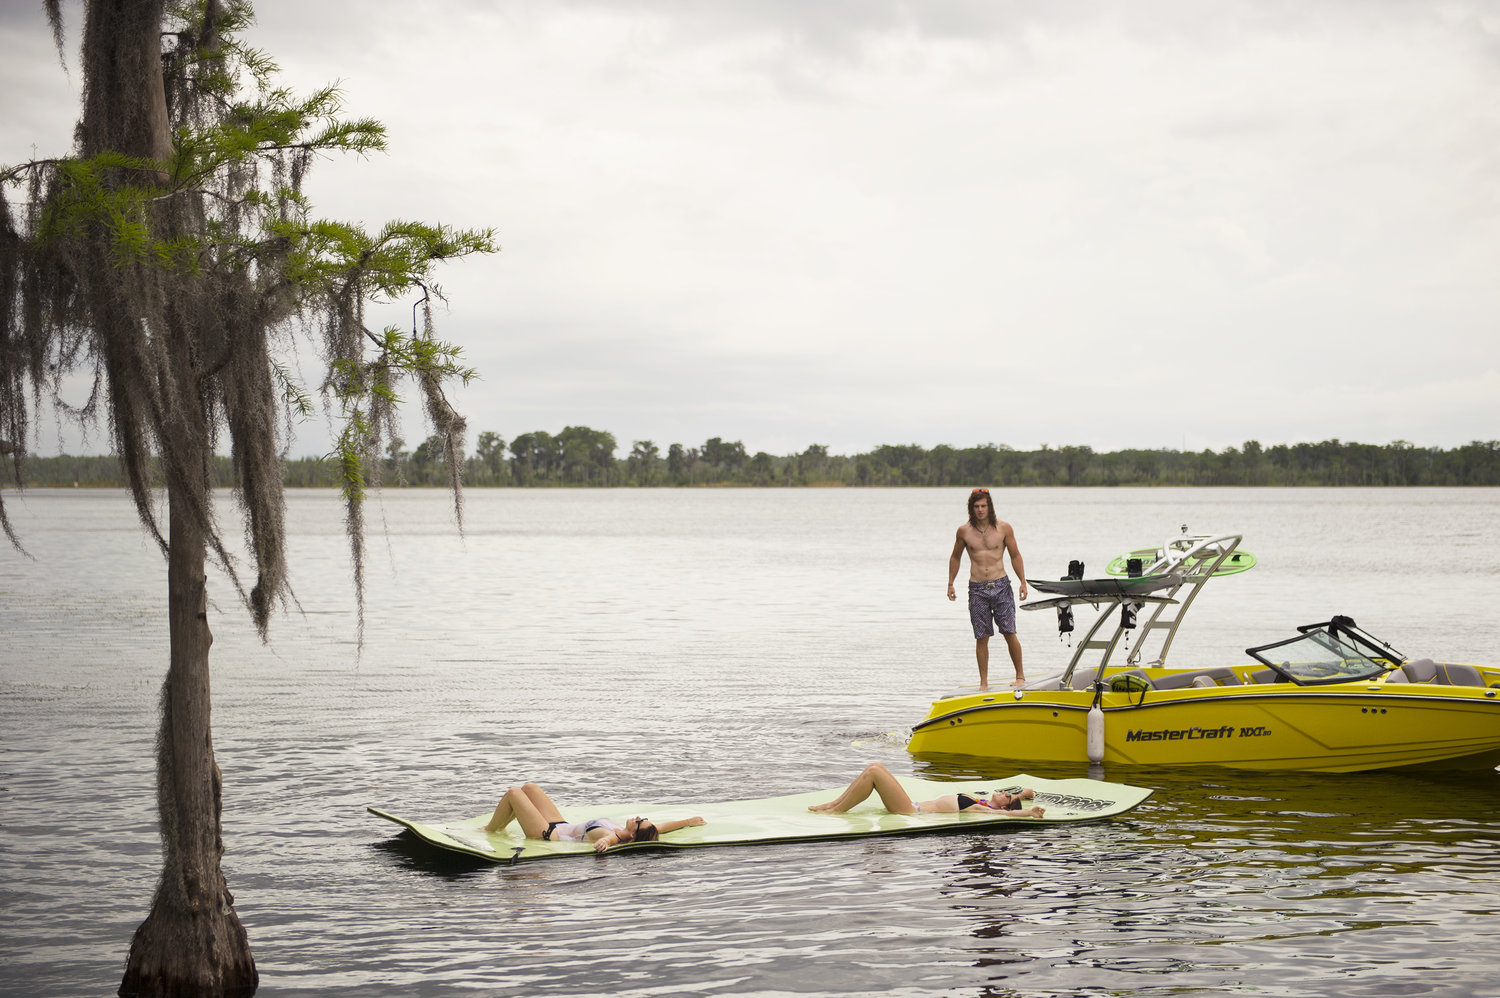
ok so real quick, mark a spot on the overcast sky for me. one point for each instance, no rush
(1155, 224)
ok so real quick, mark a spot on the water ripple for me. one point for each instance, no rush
(697, 667)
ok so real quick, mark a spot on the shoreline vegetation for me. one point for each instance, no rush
(580, 457)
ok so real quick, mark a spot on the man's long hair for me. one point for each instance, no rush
(975, 497)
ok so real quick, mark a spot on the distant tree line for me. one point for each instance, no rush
(583, 457)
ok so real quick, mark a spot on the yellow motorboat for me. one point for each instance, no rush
(1330, 699)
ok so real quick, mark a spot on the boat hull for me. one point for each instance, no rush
(1340, 728)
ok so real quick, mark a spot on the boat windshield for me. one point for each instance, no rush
(1319, 656)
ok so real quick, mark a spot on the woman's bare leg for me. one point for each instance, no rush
(542, 802)
(858, 789)
(875, 779)
(504, 813)
(518, 805)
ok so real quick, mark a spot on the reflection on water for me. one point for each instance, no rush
(692, 645)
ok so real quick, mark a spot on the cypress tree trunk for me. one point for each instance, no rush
(192, 943)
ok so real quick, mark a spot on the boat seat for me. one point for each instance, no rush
(1420, 670)
(1176, 682)
(1080, 681)
(1396, 676)
(1047, 684)
(1182, 680)
(1425, 670)
(1265, 676)
(1453, 674)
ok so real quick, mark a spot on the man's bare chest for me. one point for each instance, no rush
(991, 540)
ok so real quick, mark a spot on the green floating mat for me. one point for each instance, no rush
(787, 819)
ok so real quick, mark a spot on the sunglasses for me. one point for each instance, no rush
(979, 492)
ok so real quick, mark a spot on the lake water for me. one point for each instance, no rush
(681, 645)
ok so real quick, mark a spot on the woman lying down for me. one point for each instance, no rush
(540, 819)
(877, 779)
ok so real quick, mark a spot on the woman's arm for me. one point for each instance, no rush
(603, 842)
(672, 826)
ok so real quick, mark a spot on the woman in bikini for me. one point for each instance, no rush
(877, 779)
(540, 819)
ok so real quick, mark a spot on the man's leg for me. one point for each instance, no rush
(1014, 644)
(981, 615)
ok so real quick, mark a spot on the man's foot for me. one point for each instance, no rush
(1019, 681)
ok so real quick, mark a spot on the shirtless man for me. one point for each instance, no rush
(990, 600)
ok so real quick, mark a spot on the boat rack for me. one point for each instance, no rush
(1193, 560)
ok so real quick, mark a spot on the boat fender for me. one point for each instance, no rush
(1096, 734)
(1094, 740)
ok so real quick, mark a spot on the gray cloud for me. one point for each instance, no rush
(856, 223)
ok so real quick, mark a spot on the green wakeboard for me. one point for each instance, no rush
(1240, 561)
(787, 819)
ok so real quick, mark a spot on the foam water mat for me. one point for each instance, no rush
(787, 819)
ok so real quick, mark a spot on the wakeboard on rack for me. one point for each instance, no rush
(1131, 593)
(1138, 585)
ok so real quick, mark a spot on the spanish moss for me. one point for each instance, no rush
(173, 263)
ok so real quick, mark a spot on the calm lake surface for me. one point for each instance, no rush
(681, 645)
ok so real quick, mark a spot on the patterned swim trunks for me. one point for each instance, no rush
(992, 600)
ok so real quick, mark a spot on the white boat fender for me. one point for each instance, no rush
(1095, 739)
